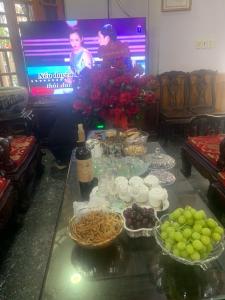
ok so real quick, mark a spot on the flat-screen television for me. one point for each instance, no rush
(51, 49)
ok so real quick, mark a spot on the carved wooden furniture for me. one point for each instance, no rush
(20, 154)
(201, 91)
(21, 123)
(20, 159)
(8, 202)
(185, 95)
(173, 101)
(20, 166)
(205, 150)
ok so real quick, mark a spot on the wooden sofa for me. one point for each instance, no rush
(205, 150)
(20, 167)
(8, 201)
(183, 96)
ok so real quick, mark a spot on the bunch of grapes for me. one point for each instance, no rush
(139, 217)
(189, 234)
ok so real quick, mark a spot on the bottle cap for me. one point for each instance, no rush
(81, 134)
(80, 126)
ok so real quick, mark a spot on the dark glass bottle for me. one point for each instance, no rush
(84, 165)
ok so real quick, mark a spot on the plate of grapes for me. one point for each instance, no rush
(190, 236)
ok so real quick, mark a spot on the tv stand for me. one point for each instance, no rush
(50, 101)
(45, 110)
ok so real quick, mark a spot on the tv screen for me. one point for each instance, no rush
(56, 52)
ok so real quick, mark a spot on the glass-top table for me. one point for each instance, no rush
(129, 269)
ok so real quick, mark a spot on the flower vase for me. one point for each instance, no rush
(120, 119)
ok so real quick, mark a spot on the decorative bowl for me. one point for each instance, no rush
(125, 166)
(159, 161)
(165, 177)
(141, 232)
(215, 253)
(136, 144)
(164, 207)
(94, 228)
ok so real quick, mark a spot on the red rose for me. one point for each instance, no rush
(132, 110)
(124, 98)
(135, 92)
(95, 94)
(87, 110)
(149, 98)
(78, 105)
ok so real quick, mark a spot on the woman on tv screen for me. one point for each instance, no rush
(80, 57)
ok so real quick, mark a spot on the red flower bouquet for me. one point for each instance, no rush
(114, 95)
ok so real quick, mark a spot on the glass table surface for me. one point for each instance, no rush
(129, 269)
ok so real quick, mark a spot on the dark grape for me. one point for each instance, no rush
(145, 211)
(133, 215)
(135, 206)
(126, 214)
(145, 222)
(151, 211)
(129, 210)
(139, 217)
(128, 222)
(139, 225)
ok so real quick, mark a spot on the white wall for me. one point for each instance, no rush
(172, 35)
(84, 9)
(180, 30)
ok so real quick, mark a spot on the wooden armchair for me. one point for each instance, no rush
(20, 123)
(205, 150)
(201, 91)
(8, 194)
(173, 101)
(20, 161)
(8, 202)
(20, 157)
(202, 147)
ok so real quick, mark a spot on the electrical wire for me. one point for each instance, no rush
(108, 10)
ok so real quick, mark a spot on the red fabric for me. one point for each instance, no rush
(3, 184)
(208, 145)
(221, 177)
(20, 148)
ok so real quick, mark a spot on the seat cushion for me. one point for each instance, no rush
(208, 145)
(4, 183)
(21, 147)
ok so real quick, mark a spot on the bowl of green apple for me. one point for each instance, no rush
(190, 237)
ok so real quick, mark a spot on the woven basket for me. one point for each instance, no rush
(103, 244)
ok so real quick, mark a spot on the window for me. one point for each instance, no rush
(22, 12)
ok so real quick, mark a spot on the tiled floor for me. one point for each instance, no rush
(24, 255)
